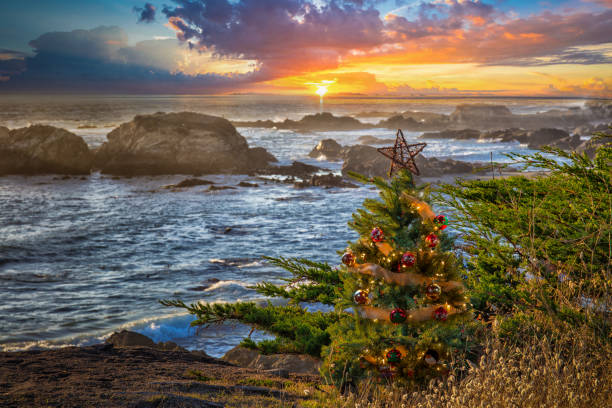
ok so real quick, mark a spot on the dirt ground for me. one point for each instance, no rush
(107, 376)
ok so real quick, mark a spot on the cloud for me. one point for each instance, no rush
(101, 60)
(572, 55)
(146, 13)
(287, 37)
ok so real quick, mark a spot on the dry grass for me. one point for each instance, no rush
(573, 370)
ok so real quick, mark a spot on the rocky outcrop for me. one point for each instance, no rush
(368, 161)
(507, 135)
(329, 149)
(365, 160)
(296, 169)
(590, 146)
(126, 338)
(568, 143)
(372, 140)
(258, 157)
(187, 183)
(290, 363)
(41, 149)
(324, 121)
(452, 134)
(178, 143)
(327, 181)
(545, 136)
(590, 129)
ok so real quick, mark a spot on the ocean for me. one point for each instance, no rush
(83, 257)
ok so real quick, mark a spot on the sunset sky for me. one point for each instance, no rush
(376, 48)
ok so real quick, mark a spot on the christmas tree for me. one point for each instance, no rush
(402, 282)
(399, 306)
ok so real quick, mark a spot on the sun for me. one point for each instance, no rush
(321, 90)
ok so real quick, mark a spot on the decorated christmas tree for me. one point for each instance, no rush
(399, 305)
(402, 281)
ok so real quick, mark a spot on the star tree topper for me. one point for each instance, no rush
(402, 154)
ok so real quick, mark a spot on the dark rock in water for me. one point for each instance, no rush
(318, 122)
(507, 135)
(365, 160)
(292, 363)
(41, 149)
(452, 134)
(177, 143)
(217, 188)
(568, 143)
(590, 146)
(328, 180)
(296, 169)
(258, 158)
(245, 184)
(328, 148)
(433, 167)
(368, 161)
(590, 129)
(372, 140)
(127, 338)
(399, 122)
(192, 182)
(545, 136)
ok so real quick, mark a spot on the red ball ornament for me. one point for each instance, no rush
(398, 316)
(348, 259)
(377, 235)
(361, 297)
(440, 314)
(432, 240)
(408, 260)
(394, 356)
(440, 221)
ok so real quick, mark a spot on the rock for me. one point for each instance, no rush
(568, 143)
(368, 161)
(328, 148)
(365, 160)
(327, 180)
(296, 169)
(245, 184)
(507, 135)
(399, 122)
(293, 363)
(192, 182)
(177, 143)
(452, 134)
(433, 167)
(590, 129)
(545, 136)
(375, 114)
(127, 338)
(372, 140)
(324, 121)
(258, 158)
(590, 146)
(217, 188)
(41, 149)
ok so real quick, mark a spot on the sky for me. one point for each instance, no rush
(391, 48)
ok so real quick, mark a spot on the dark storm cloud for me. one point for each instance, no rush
(146, 13)
(100, 60)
